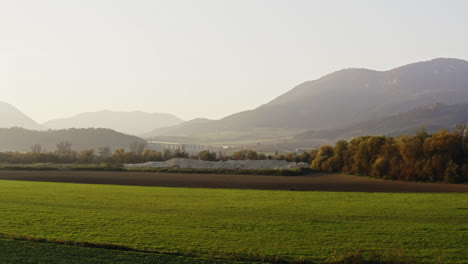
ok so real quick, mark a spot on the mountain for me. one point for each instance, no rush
(12, 117)
(133, 123)
(20, 139)
(346, 97)
(194, 123)
(433, 117)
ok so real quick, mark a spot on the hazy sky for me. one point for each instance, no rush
(205, 58)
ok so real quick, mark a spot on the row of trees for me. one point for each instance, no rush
(64, 154)
(136, 153)
(442, 156)
(91, 156)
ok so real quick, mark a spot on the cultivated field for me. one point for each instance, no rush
(313, 182)
(237, 224)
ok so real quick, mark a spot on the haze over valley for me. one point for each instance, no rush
(133, 123)
(343, 104)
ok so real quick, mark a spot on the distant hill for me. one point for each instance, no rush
(20, 139)
(12, 117)
(346, 97)
(197, 123)
(433, 117)
(133, 123)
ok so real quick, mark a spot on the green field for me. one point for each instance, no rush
(19, 252)
(238, 224)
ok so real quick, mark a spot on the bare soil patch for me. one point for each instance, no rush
(313, 182)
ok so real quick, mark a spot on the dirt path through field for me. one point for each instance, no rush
(314, 182)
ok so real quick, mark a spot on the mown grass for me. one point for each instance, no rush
(239, 224)
(22, 252)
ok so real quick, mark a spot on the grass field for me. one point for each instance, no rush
(236, 224)
(22, 252)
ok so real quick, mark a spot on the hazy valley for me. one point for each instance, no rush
(341, 105)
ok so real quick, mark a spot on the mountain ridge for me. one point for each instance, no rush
(347, 96)
(433, 117)
(130, 122)
(11, 116)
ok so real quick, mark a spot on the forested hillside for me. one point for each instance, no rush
(433, 117)
(20, 139)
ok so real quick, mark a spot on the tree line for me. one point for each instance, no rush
(422, 157)
(136, 153)
(64, 154)
(442, 156)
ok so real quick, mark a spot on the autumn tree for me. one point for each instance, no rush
(239, 155)
(64, 147)
(36, 148)
(324, 153)
(178, 153)
(137, 148)
(207, 155)
(251, 155)
(262, 156)
(119, 155)
(167, 154)
(87, 156)
(303, 157)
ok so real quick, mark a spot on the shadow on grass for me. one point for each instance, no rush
(350, 257)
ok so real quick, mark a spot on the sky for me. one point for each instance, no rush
(205, 58)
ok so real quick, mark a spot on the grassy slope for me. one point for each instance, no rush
(289, 224)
